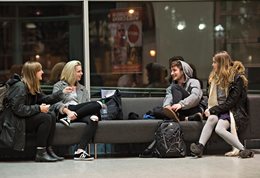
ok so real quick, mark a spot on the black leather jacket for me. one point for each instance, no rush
(236, 102)
(21, 105)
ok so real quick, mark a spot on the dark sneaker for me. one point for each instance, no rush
(83, 156)
(171, 114)
(65, 121)
(195, 117)
(196, 149)
(246, 154)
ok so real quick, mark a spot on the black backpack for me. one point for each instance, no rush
(3, 94)
(169, 141)
(4, 90)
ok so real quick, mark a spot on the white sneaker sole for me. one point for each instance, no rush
(64, 122)
(83, 159)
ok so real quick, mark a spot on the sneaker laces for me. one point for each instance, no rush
(84, 154)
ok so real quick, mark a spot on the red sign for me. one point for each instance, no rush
(133, 33)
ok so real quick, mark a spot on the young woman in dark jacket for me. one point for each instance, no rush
(27, 111)
(227, 104)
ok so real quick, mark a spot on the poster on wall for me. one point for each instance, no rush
(126, 40)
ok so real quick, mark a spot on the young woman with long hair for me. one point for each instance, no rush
(227, 105)
(27, 111)
(77, 107)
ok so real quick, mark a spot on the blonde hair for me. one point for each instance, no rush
(68, 73)
(221, 76)
(238, 69)
(29, 70)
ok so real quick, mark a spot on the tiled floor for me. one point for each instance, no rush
(189, 167)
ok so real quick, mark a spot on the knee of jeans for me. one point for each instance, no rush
(94, 118)
(48, 119)
(52, 116)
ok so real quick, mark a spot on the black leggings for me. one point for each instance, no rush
(43, 124)
(179, 93)
(84, 111)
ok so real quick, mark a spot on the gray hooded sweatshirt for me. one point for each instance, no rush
(191, 85)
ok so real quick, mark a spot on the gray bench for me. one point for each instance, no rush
(142, 131)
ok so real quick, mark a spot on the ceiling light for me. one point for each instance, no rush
(202, 26)
(181, 25)
(219, 27)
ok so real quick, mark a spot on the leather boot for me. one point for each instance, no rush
(53, 155)
(246, 153)
(196, 149)
(43, 156)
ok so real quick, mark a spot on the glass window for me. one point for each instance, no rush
(49, 32)
(126, 37)
(130, 42)
(237, 31)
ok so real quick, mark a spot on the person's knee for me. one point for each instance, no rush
(49, 119)
(212, 119)
(94, 118)
(53, 116)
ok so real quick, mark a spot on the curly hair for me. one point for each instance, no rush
(238, 69)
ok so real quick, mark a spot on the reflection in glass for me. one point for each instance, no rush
(43, 31)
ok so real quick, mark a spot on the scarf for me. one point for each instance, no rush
(213, 101)
(213, 97)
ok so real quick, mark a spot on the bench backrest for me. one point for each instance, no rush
(143, 105)
(140, 105)
(253, 129)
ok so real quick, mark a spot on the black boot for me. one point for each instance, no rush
(43, 156)
(246, 154)
(53, 155)
(196, 149)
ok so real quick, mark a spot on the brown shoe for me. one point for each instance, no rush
(171, 114)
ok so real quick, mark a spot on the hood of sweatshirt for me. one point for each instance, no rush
(187, 70)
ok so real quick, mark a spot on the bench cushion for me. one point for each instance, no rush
(68, 135)
(126, 131)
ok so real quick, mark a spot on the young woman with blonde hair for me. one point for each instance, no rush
(227, 105)
(27, 111)
(77, 107)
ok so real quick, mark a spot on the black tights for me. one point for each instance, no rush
(43, 124)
